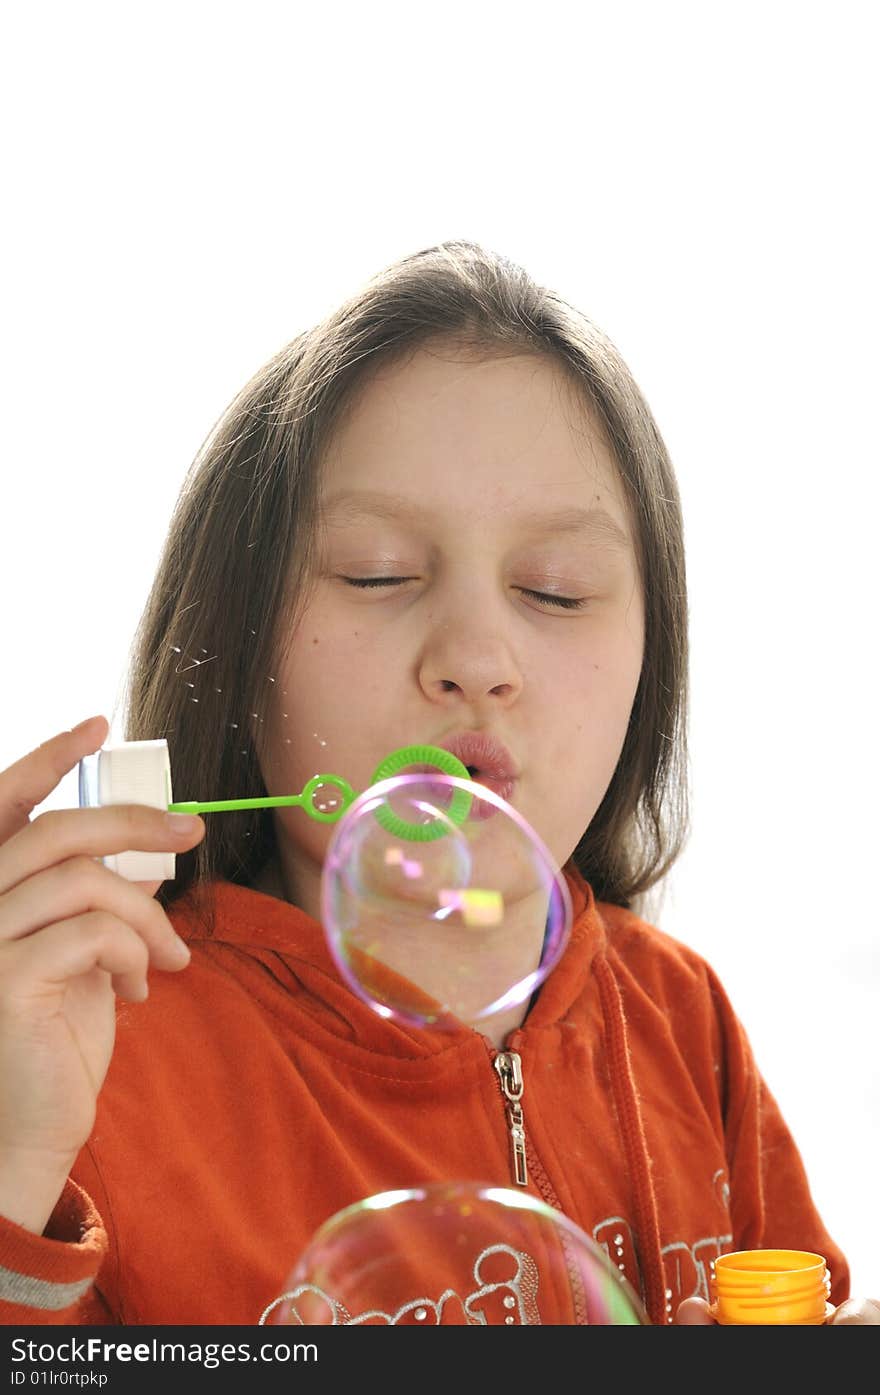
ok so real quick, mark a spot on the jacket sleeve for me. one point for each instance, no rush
(50, 1278)
(771, 1204)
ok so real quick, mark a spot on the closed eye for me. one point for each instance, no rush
(365, 581)
(547, 597)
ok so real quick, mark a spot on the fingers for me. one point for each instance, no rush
(62, 913)
(69, 948)
(79, 887)
(861, 1312)
(32, 779)
(64, 833)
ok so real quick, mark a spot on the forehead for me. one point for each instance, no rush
(471, 433)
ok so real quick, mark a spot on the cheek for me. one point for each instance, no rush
(319, 719)
(314, 671)
(328, 655)
(617, 662)
(591, 699)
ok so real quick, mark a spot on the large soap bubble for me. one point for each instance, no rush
(440, 902)
(463, 1254)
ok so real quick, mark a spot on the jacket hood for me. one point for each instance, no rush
(224, 913)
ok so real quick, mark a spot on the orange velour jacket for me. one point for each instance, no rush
(253, 1095)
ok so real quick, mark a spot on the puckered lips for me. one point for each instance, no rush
(489, 763)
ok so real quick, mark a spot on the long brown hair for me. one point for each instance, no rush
(234, 572)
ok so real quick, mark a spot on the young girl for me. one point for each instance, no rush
(444, 516)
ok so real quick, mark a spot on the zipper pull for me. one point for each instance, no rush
(509, 1068)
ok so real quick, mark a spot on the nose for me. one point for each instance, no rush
(466, 661)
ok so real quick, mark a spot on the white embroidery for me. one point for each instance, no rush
(687, 1268)
(518, 1296)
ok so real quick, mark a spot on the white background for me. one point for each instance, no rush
(186, 186)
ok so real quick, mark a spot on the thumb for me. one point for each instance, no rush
(693, 1312)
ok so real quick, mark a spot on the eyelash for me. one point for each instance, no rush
(364, 583)
(562, 602)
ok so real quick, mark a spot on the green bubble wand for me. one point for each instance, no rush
(444, 761)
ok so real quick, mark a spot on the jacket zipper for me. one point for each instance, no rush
(509, 1067)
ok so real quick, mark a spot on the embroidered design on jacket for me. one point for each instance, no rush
(506, 1294)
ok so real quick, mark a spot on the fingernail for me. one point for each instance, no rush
(183, 825)
(180, 950)
(80, 725)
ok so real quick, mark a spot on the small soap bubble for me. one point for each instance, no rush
(326, 797)
(454, 1254)
(441, 904)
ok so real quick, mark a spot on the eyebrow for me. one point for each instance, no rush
(356, 504)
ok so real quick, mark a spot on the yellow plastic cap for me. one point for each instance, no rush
(770, 1286)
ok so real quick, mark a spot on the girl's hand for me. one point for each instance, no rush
(857, 1312)
(73, 937)
(693, 1312)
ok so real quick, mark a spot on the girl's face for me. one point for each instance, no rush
(478, 573)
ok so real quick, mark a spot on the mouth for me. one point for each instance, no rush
(488, 763)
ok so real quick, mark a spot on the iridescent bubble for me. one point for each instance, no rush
(454, 1254)
(440, 902)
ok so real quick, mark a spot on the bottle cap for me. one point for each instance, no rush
(770, 1286)
(131, 772)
